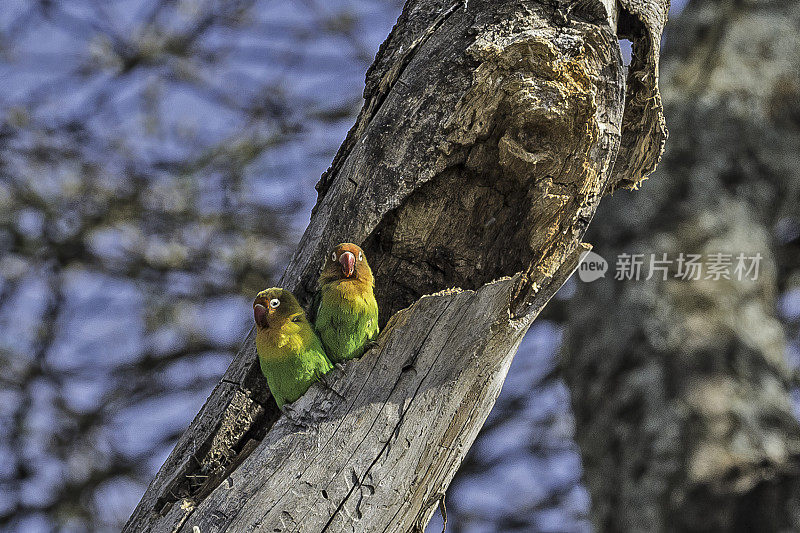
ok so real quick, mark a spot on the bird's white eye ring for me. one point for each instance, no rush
(274, 303)
(333, 256)
(360, 256)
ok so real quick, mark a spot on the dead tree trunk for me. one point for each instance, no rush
(487, 137)
(680, 387)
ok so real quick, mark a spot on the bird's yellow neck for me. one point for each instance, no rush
(350, 292)
(281, 342)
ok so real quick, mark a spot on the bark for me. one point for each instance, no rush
(681, 388)
(486, 140)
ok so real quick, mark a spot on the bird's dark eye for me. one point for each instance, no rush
(360, 256)
(333, 256)
(274, 303)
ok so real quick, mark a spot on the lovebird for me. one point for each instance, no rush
(346, 310)
(291, 355)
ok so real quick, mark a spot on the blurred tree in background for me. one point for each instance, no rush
(681, 388)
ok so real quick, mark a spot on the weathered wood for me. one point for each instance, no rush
(486, 139)
(377, 449)
(644, 130)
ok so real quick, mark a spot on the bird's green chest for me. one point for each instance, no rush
(291, 363)
(347, 320)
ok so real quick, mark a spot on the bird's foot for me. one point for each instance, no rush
(339, 366)
(370, 345)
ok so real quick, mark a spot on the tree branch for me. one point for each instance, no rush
(487, 137)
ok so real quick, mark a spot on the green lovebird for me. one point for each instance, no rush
(291, 355)
(346, 312)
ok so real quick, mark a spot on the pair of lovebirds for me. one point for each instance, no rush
(293, 353)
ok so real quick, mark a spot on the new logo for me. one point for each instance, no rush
(592, 267)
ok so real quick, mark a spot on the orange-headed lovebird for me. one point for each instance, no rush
(291, 355)
(347, 313)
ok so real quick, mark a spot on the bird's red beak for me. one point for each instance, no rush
(260, 314)
(348, 261)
